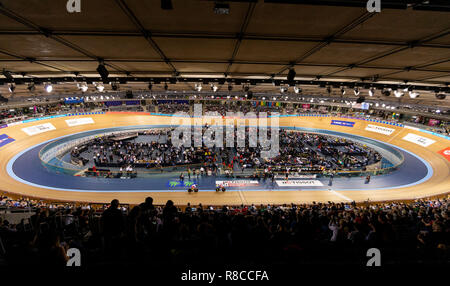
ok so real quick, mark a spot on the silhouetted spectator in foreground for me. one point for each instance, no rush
(113, 225)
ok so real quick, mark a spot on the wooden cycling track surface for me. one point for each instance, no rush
(439, 183)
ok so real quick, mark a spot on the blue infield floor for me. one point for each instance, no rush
(27, 168)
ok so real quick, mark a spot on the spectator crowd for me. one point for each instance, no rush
(409, 232)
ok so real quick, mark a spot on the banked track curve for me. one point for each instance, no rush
(439, 183)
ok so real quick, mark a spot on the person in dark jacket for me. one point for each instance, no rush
(113, 225)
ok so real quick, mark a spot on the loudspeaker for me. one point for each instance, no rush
(129, 94)
(361, 99)
(440, 96)
(291, 75)
(3, 99)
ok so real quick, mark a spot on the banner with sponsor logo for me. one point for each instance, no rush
(445, 153)
(379, 129)
(5, 139)
(37, 129)
(296, 176)
(419, 140)
(299, 183)
(364, 105)
(237, 183)
(79, 121)
(342, 123)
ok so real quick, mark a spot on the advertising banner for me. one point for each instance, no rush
(79, 121)
(445, 153)
(419, 140)
(342, 123)
(299, 183)
(379, 129)
(37, 129)
(237, 183)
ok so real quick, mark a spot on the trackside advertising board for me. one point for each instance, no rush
(342, 123)
(79, 121)
(299, 183)
(379, 129)
(237, 183)
(419, 140)
(37, 129)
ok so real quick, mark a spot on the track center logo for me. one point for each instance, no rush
(174, 184)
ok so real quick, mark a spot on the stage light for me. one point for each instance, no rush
(371, 91)
(103, 72)
(386, 91)
(114, 86)
(440, 96)
(413, 94)
(283, 89)
(166, 86)
(31, 87)
(383, 105)
(377, 104)
(274, 98)
(11, 87)
(438, 111)
(48, 87)
(230, 87)
(398, 93)
(198, 87)
(356, 91)
(214, 87)
(329, 89)
(392, 107)
(83, 87)
(297, 89)
(100, 87)
(342, 90)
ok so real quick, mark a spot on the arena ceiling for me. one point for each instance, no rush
(256, 40)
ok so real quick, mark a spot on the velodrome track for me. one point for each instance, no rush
(439, 183)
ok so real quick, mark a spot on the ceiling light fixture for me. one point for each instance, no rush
(48, 87)
(398, 93)
(11, 87)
